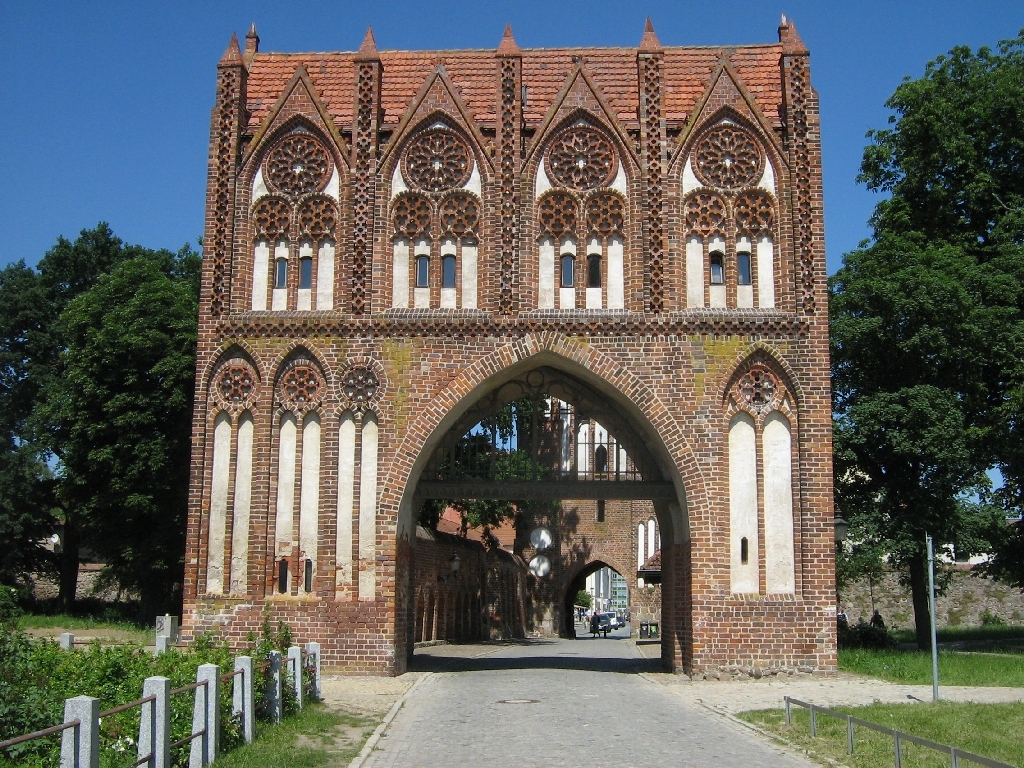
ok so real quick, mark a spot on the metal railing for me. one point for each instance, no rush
(80, 731)
(956, 754)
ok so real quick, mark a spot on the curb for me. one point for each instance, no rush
(371, 742)
(769, 735)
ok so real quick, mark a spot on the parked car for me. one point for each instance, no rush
(608, 622)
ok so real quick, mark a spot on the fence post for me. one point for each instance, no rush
(814, 722)
(162, 644)
(295, 668)
(67, 641)
(789, 714)
(313, 649)
(206, 716)
(899, 752)
(274, 686)
(242, 698)
(155, 723)
(955, 754)
(849, 734)
(80, 746)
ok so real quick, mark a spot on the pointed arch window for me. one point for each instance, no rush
(423, 271)
(448, 271)
(280, 273)
(717, 264)
(594, 270)
(568, 271)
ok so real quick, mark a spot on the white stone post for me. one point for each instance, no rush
(67, 641)
(242, 697)
(80, 746)
(295, 669)
(155, 723)
(313, 649)
(205, 717)
(162, 644)
(274, 686)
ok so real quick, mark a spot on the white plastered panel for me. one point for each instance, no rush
(400, 273)
(334, 185)
(398, 185)
(469, 257)
(260, 274)
(765, 272)
(779, 563)
(619, 183)
(243, 505)
(690, 181)
(368, 511)
(616, 274)
(259, 186)
(309, 493)
(284, 518)
(218, 505)
(768, 178)
(543, 184)
(546, 275)
(325, 276)
(694, 272)
(743, 504)
(305, 295)
(346, 497)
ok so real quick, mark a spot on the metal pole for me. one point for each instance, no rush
(931, 612)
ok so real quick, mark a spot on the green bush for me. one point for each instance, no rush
(989, 619)
(864, 635)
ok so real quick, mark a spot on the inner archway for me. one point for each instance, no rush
(580, 476)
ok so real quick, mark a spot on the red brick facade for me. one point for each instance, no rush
(331, 374)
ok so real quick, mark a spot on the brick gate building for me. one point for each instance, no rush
(398, 242)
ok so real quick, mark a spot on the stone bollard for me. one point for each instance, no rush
(243, 698)
(274, 686)
(163, 643)
(295, 670)
(206, 717)
(155, 723)
(313, 649)
(80, 746)
(67, 641)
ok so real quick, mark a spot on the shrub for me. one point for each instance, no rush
(864, 635)
(989, 619)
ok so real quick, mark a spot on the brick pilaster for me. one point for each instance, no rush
(364, 166)
(510, 111)
(652, 164)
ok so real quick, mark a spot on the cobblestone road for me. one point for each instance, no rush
(582, 703)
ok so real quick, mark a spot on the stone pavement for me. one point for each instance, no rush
(560, 703)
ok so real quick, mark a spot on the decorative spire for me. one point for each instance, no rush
(650, 41)
(790, 38)
(368, 50)
(233, 55)
(508, 45)
(252, 40)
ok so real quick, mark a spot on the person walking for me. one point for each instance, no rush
(595, 624)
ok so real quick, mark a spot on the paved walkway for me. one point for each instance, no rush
(560, 703)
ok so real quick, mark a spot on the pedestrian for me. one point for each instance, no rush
(595, 624)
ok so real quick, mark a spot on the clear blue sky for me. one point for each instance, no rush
(106, 106)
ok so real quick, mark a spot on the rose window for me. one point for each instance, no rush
(581, 157)
(300, 385)
(758, 388)
(298, 165)
(360, 385)
(237, 383)
(437, 160)
(728, 157)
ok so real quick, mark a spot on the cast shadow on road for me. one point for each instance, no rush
(583, 655)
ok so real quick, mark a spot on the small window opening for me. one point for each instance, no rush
(600, 510)
(567, 271)
(744, 551)
(600, 459)
(281, 273)
(717, 269)
(422, 271)
(448, 272)
(282, 576)
(307, 581)
(305, 273)
(743, 268)
(593, 271)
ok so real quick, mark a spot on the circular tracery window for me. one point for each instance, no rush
(728, 157)
(437, 160)
(581, 157)
(298, 165)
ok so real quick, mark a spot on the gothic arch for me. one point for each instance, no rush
(761, 350)
(394, 154)
(638, 403)
(256, 154)
(625, 157)
(680, 153)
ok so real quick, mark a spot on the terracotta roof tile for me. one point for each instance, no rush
(474, 72)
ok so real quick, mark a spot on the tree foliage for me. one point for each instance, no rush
(926, 324)
(94, 346)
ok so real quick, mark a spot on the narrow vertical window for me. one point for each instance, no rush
(601, 459)
(422, 271)
(305, 273)
(567, 271)
(448, 272)
(743, 268)
(282, 576)
(281, 273)
(600, 510)
(307, 581)
(744, 551)
(593, 271)
(717, 269)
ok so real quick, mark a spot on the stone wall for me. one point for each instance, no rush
(962, 603)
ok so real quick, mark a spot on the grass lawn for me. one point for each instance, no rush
(989, 730)
(967, 634)
(954, 668)
(312, 738)
(40, 621)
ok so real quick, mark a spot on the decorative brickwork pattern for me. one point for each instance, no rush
(298, 164)
(605, 215)
(437, 160)
(581, 157)
(299, 387)
(229, 86)
(411, 215)
(508, 232)
(237, 385)
(318, 218)
(557, 215)
(460, 215)
(705, 215)
(651, 122)
(271, 218)
(728, 157)
(755, 212)
(803, 224)
(364, 143)
(360, 385)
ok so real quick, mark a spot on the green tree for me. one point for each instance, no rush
(119, 416)
(926, 325)
(583, 599)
